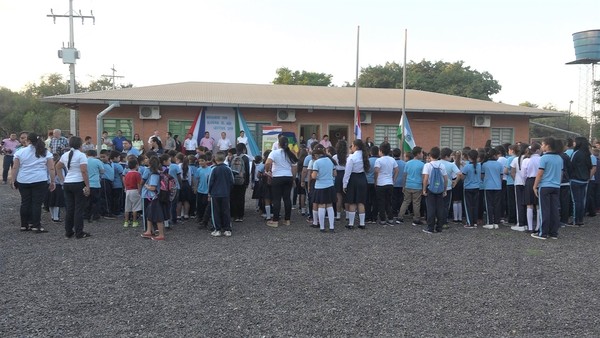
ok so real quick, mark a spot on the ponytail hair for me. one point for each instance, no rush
(75, 144)
(38, 144)
(283, 144)
(473, 155)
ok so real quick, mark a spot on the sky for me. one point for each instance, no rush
(524, 44)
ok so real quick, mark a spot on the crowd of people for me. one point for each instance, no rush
(533, 188)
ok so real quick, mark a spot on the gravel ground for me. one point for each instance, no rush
(295, 281)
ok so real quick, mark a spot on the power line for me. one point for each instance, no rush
(113, 76)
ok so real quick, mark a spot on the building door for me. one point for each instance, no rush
(338, 132)
(306, 130)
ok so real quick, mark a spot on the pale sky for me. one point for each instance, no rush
(524, 44)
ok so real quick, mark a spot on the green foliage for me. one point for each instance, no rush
(439, 77)
(286, 76)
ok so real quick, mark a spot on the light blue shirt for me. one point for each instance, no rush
(133, 152)
(324, 167)
(175, 171)
(509, 179)
(399, 183)
(153, 180)
(452, 171)
(552, 164)
(202, 175)
(472, 175)
(371, 172)
(94, 166)
(492, 175)
(118, 172)
(109, 172)
(414, 172)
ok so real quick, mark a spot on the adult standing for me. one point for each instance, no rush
(224, 144)
(242, 138)
(155, 134)
(88, 145)
(581, 171)
(156, 145)
(325, 141)
(190, 145)
(58, 143)
(207, 141)
(76, 187)
(137, 143)
(238, 192)
(281, 165)
(106, 141)
(170, 142)
(311, 140)
(9, 147)
(118, 141)
(33, 166)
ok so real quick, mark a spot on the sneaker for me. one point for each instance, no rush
(518, 228)
(466, 226)
(417, 222)
(390, 222)
(349, 227)
(273, 224)
(216, 233)
(362, 227)
(126, 224)
(496, 226)
(287, 222)
(331, 230)
(109, 217)
(488, 226)
(382, 223)
(227, 233)
(553, 237)
(322, 230)
(399, 221)
(537, 236)
(445, 226)
(135, 224)
(427, 231)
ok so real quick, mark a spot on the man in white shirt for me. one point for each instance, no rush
(311, 140)
(224, 144)
(242, 138)
(190, 145)
(155, 134)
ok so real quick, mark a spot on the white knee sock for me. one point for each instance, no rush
(315, 216)
(538, 219)
(54, 212)
(321, 214)
(347, 214)
(459, 211)
(351, 216)
(338, 215)
(361, 218)
(330, 215)
(268, 211)
(530, 218)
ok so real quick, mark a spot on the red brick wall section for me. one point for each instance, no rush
(425, 126)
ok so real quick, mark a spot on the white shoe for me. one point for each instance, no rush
(518, 228)
(216, 233)
(227, 233)
(488, 226)
(496, 226)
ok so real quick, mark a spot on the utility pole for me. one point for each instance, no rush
(70, 55)
(113, 76)
(569, 120)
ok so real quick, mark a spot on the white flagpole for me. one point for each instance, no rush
(403, 119)
(356, 117)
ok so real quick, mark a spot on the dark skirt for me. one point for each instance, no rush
(256, 191)
(528, 195)
(57, 197)
(356, 192)
(325, 196)
(154, 212)
(185, 193)
(457, 191)
(339, 181)
(265, 188)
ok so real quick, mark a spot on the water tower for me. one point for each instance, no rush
(587, 55)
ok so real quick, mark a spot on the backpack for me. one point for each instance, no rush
(436, 181)
(238, 167)
(168, 188)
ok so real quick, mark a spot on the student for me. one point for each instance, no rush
(175, 171)
(133, 201)
(386, 171)
(565, 188)
(547, 188)
(322, 173)
(355, 183)
(371, 205)
(219, 189)
(340, 157)
(106, 185)
(413, 185)
(491, 172)
(511, 212)
(531, 165)
(265, 186)
(201, 183)
(300, 189)
(56, 197)
(281, 164)
(305, 181)
(317, 149)
(154, 212)
(519, 176)
(458, 190)
(117, 186)
(503, 161)
(183, 203)
(581, 171)
(397, 194)
(454, 175)
(472, 175)
(435, 202)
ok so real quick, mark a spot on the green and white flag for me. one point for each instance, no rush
(404, 129)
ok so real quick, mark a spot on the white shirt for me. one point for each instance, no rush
(74, 173)
(224, 144)
(275, 146)
(434, 164)
(243, 140)
(386, 165)
(532, 165)
(518, 175)
(503, 160)
(452, 171)
(150, 139)
(354, 164)
(31, 168)
(337, 163)
(190, 144)
(281, 165)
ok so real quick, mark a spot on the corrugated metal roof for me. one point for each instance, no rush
(296, 97)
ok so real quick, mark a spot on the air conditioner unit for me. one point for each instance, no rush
(365, 118)
(286, 115)
(149, 112)
(481, 121)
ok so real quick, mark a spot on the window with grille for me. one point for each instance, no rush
(381, 131)
(180, 127)
(452, 137)
(124, 125)
(256, 131)
(502, 135)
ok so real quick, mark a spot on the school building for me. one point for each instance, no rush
(435, 119)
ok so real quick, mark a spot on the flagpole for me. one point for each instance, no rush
(356, 116)
(403, 118)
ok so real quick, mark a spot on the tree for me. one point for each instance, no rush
(573, 123)
(103, 84)
(439, 77)
(286, 76)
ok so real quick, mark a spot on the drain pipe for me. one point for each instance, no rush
(113, 104)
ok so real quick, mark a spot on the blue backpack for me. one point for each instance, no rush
(436, 181)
